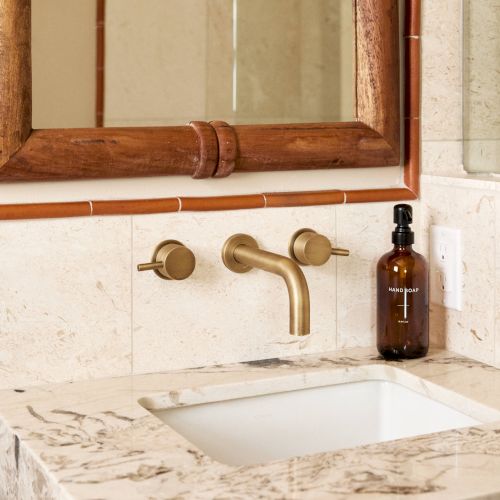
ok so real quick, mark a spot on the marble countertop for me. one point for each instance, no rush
(92, 440)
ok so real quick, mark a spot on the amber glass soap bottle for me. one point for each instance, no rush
(402, 295)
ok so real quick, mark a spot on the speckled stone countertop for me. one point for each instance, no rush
(93, 440)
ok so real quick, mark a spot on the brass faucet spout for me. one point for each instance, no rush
(241, 255)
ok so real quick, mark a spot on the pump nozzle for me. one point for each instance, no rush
(403, 217)
(403, 214)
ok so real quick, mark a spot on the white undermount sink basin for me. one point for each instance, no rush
(262, 428)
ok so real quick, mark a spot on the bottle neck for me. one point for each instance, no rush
(402, 248)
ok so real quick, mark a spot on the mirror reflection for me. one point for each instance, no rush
(168, 62)
(481, 86)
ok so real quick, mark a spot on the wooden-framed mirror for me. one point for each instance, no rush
(216, 149)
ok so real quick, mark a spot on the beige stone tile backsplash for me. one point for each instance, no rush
(66, 300)
(442, 157)
(441, 70)
(497, 280)
(465, 203)
(471, 331)
(442, 130)
(74, 307)
(217, 316)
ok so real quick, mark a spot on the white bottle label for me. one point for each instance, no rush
(406, 307)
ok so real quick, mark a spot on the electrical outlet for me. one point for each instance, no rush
(446, 267)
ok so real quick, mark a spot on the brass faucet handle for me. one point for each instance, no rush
(309, 248)
(342, 252)
(171, 260)
(150, 266)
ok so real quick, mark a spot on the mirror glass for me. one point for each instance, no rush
(482, 85)
(168, 62)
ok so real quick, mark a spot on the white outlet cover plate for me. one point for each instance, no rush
(446, 267)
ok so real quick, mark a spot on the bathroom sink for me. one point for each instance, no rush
(266, 427)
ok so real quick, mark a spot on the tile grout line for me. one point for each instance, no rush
(335, 219)
(496, 326)
(131, 295)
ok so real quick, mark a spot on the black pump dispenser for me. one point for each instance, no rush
(403, 217)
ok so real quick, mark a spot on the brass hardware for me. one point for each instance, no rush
(171, 261)
(307, 247)
(341, 252)
(241, 253)
(228, 252)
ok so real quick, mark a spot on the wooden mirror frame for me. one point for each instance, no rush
(216, 149)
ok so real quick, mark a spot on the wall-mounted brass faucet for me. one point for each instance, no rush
(171, 260)
(241, 253)
(309, 248)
